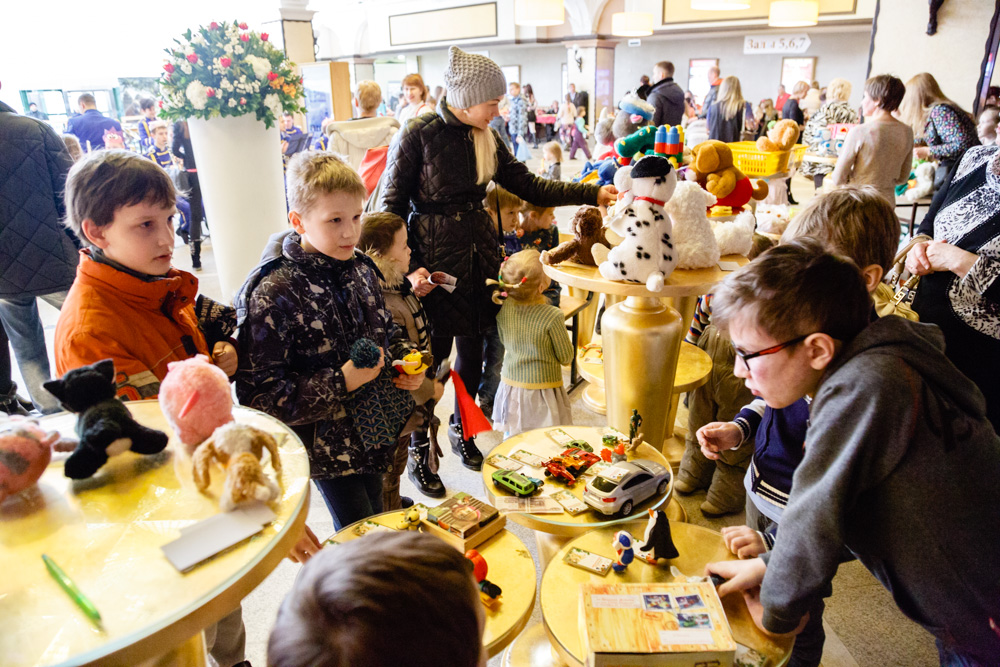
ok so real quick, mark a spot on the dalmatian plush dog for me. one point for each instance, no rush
(646, 253)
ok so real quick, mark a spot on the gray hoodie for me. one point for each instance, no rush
(903, 468)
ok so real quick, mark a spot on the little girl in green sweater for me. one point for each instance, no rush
(536, 345)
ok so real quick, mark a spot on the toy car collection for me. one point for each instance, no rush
(622, 487)
(569, 465)
(516, 483)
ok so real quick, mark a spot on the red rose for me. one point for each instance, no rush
(271, 76)
(263, 36)
(161, 103)
(211, 92)
(244, 37)
(243, 100)
(225, 62)
(243, 26)
(192, 58)
(213, 26)
(169, 68)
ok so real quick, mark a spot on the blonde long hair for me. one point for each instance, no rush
(485, 144)
(730, 97)
(922, 94)
(521, 276)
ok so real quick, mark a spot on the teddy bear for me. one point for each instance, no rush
(588, 229)
(646, 253)
(713, 168)
(781, 137)
(735, 237)
(694, 239)
(196, 399)
(925, 182)
(240, 448)
(105, 426)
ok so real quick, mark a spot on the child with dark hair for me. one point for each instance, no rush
(386, 599)
(896, 432)
(384, 239)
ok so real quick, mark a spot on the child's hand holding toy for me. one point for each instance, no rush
(224, 356)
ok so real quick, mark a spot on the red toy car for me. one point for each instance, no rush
(569, 465)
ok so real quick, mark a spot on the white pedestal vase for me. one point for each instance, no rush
(242, 185)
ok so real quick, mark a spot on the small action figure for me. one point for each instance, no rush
(623, 545)
(658, 542)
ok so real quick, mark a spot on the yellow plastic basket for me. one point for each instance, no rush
(753, 162)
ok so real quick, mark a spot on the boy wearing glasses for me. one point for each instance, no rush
(900, 462)
(857, 223)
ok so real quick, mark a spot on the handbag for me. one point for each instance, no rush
(895, 293)
(522, 153)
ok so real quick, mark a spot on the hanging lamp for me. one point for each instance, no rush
(793, 13)
(720, 5)
(539, 13)
(631, 24)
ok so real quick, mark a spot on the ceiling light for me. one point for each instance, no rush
(631, 24)
(793, 13)
(539, 13)
(720, 5)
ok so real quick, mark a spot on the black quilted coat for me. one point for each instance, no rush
(430, 180)
(37, 254)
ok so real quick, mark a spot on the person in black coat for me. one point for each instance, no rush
(39, 254)
(181, 148)
(581, 100)
(666, 96)
(436, 176)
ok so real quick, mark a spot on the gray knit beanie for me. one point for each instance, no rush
(472, 79)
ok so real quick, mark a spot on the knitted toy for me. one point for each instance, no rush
(646, 254)
(105, 426)
(781, 137)
(633, 113)
(364, 353)
(657, 542)
(240, 448)
(25, 452)
(736, 237)
(694, 239)
(925, 182)
(588, 229)
(713, 168)
(637, 143)
(196, 399)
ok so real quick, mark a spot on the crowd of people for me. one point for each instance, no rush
(826, 420)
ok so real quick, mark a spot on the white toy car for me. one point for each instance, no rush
(623, 486)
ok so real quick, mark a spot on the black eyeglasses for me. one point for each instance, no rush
(747, 356)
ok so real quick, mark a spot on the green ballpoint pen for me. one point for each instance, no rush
(74, 593)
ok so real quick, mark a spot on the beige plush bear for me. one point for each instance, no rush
(780, 138)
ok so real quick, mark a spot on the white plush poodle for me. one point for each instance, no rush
(646, 253)
(736, 237)
(772, 218)
(694, 239)
(925, 182)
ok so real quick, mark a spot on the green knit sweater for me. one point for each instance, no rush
(536, 345)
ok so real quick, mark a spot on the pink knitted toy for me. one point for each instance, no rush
(25, 452)
(195, 398)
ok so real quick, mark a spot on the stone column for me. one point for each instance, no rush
(591, 67)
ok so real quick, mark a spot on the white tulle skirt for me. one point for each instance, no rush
(516, 409)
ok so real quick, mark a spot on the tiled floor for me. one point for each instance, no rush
(863, 625)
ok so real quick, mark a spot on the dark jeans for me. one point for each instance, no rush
(352, 497)
(492, 365)
(808, 648)
(468, 361)
(952, 657)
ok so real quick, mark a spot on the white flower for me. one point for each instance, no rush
(226, 85)
(238, 49)
(228, 48)
(260, 66)
(186, 67)
(272, 102)
(232, 102)
(198, 39)
(197, 93)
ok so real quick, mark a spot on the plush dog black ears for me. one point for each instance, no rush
(57, 388)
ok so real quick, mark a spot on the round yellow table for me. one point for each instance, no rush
(510, 567)
(697, 546)
(106, 533)
(642, 339)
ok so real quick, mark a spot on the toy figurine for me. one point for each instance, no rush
(658, 542)
(196, 399)
(105, 426)
(413, 363)
(623, 545)
(634, 436)
(239, 447)
(410, 519)
(489, 592)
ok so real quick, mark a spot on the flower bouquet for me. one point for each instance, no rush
(225, 69)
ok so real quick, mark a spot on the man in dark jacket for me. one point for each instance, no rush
(666, 96)
(580, 100)
(714, 80)
(38, 255)
(90, 125)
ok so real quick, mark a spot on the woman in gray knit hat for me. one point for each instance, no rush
(435, 178)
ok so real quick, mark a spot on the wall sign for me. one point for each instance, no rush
(760, 44)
